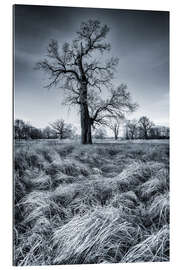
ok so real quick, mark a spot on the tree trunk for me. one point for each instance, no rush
(86, 137)
(115, 133)
(145, 134)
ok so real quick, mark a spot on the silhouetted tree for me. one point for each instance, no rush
(132, 129)
(18, 128)
(79, 70)
(62, 129)
(114, 123)
(145, 126)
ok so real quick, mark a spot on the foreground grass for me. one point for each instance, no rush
(103, 203)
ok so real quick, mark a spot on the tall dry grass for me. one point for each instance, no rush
(78, 204)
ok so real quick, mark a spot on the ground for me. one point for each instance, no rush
(101, 203)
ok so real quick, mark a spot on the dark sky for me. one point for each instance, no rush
(139, 38)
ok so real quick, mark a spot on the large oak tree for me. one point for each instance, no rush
(80, 70)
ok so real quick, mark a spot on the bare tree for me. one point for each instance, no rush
(132, 127)
(114, 123)
(145, 126)
(18, 128)
(59, 127)
(79, 69)
(62, 129)
(22, 129)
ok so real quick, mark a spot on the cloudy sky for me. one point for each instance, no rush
(140, 39)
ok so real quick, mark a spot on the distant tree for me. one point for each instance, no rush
(114, 123)
(100, 133)
(166, 132)
(80, 71)
(145, 126)
(159, 132)
(18, 128)
(62, 129)
(59, 127)
(35, 133)
(132, 129)
(154, 133)
(26, 131)
(21, 129)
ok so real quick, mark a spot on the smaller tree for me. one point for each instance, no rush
(62, 129)
(18, 129)
(145, 126)
(132, 128)
(59, 127)
(114, 124)
(22, 130)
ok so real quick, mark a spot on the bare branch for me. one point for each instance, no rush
(93, 34)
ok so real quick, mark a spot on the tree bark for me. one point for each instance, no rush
(115, 133)
(86, 137)
(145, 134)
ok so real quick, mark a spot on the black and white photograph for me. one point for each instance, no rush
(90, 135)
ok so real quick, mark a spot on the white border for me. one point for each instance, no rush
(6, 125)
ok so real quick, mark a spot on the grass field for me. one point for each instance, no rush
(100, 203)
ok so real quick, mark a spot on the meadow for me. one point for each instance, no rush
(85, 204)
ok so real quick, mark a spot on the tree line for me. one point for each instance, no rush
(57, 129)
(143, 128)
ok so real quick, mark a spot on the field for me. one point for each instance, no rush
(100, 203)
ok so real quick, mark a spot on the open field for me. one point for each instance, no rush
(105, 141)
(100, 203)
